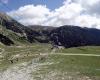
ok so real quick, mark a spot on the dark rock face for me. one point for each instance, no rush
(68, 36)
(5, 40)
(10, 23)
(44, 32)
(73, 36)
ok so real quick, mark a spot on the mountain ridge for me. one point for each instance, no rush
(67, 35)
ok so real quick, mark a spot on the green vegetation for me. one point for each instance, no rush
(54, 63)
(84, 65)
(15, 37)
(24, 53)
(73, 65)
(80, 50)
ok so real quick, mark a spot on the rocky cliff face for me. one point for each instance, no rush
(73, 36)
(5, 40)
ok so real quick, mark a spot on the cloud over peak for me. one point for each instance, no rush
(73, 12)
(30, 14)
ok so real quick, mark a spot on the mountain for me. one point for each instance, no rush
(69, 36)
(73, 36)
(16, 32)
(44, 31)
(42, 28)
(13, 33)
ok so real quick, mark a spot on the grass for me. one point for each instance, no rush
(73, 65)
(85, 65)
(15, 37)
(84, 50)
(26, 53)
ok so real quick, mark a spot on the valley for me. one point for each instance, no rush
(38, 52)
(39, 62)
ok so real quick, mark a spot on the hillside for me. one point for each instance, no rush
(69, 35)
(17, 32)
(74, 36)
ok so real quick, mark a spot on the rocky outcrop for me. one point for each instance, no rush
(5, 40)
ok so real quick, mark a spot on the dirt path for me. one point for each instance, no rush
(22, 71)
(74, 54)
(53, 52)
(2, 51)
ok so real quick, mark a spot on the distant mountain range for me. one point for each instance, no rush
(14, 33)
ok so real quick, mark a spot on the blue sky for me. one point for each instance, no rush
(15, 4)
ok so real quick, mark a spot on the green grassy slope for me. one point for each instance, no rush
(79, 50)
(15, 37)
(25, 52)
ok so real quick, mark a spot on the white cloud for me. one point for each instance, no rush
(86, 2)
(73, 12)
(64, 14)
(91, 6)
(87, 20)
(30, 14)
(94, 9)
